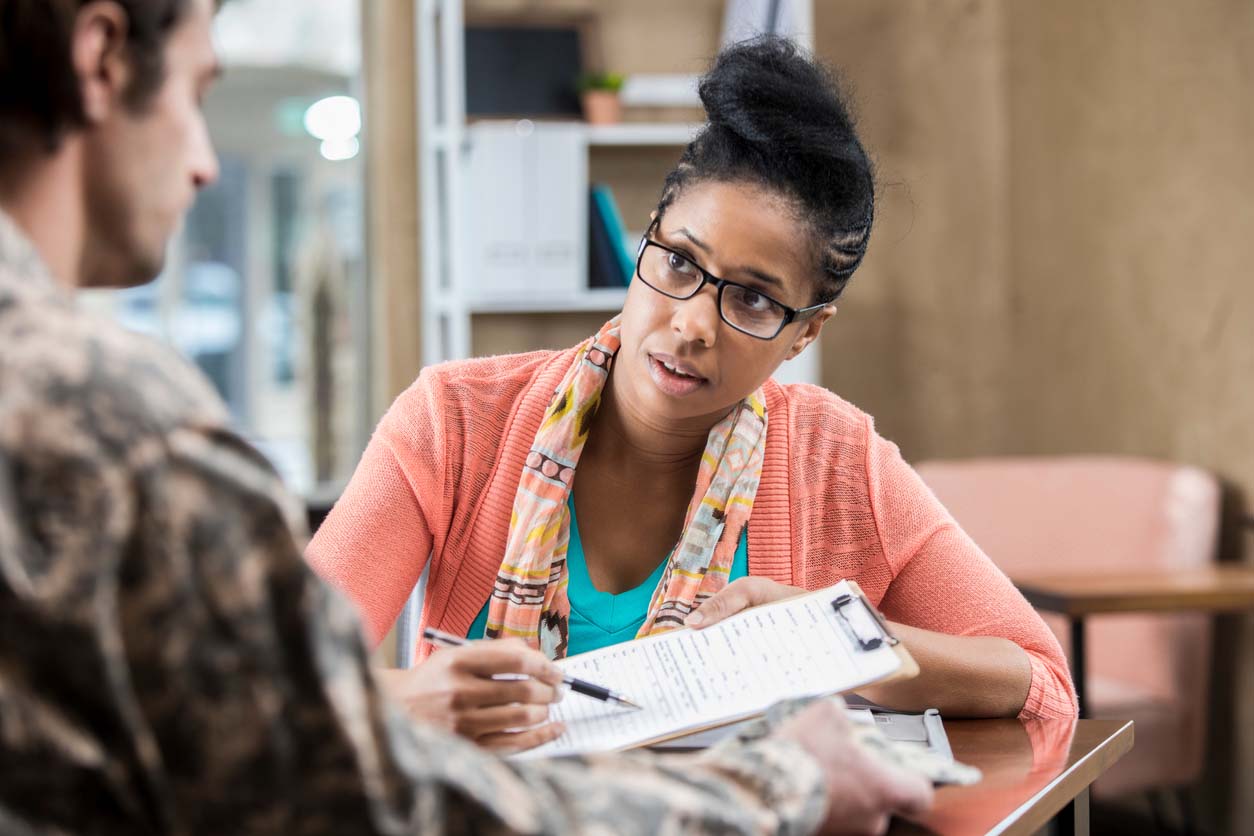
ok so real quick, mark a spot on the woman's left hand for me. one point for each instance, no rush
(738, 595)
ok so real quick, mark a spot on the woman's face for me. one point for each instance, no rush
(679, 360)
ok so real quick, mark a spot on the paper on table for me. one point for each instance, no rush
(686, 680)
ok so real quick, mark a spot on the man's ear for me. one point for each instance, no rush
(98, 51)
(810, 333)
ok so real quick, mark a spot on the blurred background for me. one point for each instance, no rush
(1061, 264)
(266, 288)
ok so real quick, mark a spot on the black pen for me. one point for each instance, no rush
(579, 686)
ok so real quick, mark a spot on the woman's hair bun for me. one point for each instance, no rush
(767, 92)
(777, 118)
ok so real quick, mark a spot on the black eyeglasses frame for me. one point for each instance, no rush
(791, 315)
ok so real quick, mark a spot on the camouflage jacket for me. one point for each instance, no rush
(169, 665)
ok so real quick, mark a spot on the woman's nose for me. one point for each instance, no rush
(696, 319)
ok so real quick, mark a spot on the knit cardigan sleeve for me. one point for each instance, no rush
(377, 539)
(943, 581)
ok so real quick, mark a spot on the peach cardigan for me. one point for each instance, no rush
(836, 501)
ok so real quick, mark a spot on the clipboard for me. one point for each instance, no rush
(819, 643)
(924, 731)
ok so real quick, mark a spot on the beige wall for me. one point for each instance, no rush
(1065, 254)
(1132, 224)
(922, 338)
(1065, 245)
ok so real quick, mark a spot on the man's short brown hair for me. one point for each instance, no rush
(39, 97)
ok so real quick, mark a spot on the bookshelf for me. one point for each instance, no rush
(632, 156)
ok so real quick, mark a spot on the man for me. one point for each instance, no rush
(167, 662)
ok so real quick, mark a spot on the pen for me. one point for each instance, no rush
(579, 686)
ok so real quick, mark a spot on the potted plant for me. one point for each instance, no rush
(599, 94)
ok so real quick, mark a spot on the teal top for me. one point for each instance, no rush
(599, 619)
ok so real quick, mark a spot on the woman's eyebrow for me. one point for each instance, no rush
(765, 278)
(684, 231)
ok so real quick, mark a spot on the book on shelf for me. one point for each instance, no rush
(609, 261)
(618, 232)
(604, 269)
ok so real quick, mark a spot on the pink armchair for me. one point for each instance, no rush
(1080, 513)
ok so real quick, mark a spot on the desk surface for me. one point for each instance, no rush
(1031, 771)
(1209, 589)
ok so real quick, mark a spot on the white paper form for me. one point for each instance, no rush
(689, 679)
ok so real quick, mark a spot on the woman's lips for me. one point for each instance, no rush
(677, 383)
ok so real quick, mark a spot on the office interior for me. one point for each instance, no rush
(1060, 265)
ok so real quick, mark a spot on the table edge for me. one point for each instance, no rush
(1074, 604)
(1031, 809)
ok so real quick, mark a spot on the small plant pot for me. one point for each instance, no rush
(602, 107)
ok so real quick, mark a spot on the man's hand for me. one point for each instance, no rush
(738, 595)
(864, 791)
(496, 693)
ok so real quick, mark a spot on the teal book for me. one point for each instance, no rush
(604, 267)
(608, 210)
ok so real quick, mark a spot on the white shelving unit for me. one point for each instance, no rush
(592, 299)
(643, 134)
(445, 145)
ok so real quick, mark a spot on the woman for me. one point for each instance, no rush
(757, 232)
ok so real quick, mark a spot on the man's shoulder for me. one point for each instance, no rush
(62, 365)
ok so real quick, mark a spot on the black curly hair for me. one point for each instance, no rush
(777, 119)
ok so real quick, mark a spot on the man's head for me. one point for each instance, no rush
(117, 85)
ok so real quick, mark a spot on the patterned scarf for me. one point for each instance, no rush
(530, 596)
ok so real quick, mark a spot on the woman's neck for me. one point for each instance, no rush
(635, 443)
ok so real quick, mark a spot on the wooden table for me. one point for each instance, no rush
(1033, 771)
(1212, 589)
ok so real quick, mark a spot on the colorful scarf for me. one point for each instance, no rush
(530, 596)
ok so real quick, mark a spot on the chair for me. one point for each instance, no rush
(1074, 514)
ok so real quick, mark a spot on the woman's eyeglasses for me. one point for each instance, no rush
(749, 311)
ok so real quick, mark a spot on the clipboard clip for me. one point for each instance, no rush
(864, 642)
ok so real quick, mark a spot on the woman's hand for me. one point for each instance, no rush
(496, 693)
(738, 595)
